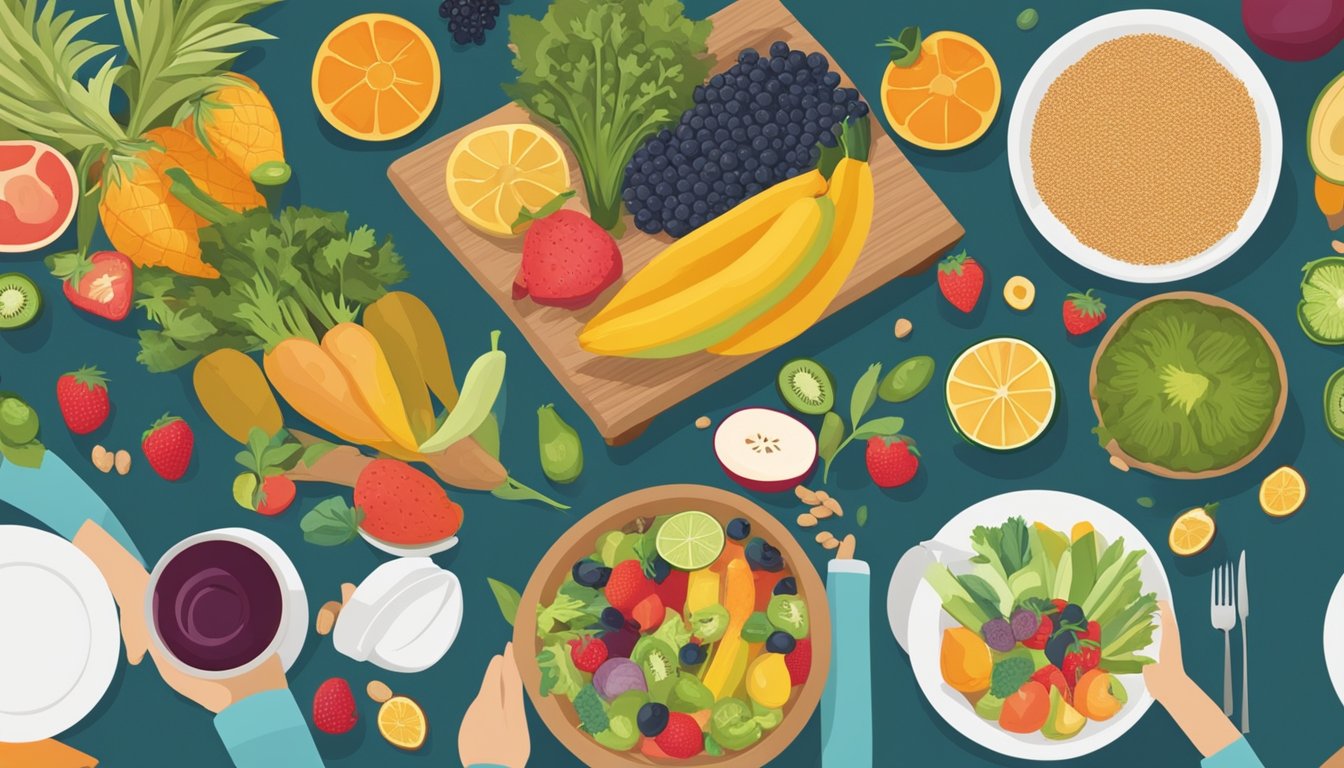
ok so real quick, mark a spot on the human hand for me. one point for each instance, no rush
(129, 583)
(1166, 677)
(494, 730)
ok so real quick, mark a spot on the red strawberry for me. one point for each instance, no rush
(82, 396)
(673, 589)
(799, 661)
(403, 505)
(168, 444)
(682, 738)
(101, 285)
(568, 260)
(334, 707)
(1051, 676)
(961, 279)
(892, 461)
(1083, 312)
(275, 495)
(588, 653)
(628, 586)
(1042, 636)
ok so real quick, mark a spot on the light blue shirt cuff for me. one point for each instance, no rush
(266, 730)
(1238, 754)
(59, 498)
(846, 703)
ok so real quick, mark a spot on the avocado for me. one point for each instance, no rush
(1064, 721)
(1325, 132)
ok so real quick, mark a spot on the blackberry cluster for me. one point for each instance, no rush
(469, 19)
(753, 126)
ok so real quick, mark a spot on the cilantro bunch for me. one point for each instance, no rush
(296, 274)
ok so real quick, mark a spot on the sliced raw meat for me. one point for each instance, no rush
(38, 188)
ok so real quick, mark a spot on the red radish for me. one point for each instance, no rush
(765, 450)
(403, 505)
(101, 285)
(568, 260)
(38, 191)
(276, 494)
(1295, 30)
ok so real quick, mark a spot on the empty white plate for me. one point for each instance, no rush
(57, 666)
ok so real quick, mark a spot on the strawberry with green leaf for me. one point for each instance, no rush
(264, 488)
(1083, 312)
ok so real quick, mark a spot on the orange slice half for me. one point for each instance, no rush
(1001, 394)
(376, 77)
(948, 98)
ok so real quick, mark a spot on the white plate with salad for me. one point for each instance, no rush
(1031, 625)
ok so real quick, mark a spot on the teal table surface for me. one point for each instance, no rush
(1294, 563)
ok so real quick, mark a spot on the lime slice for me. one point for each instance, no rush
(690, 540)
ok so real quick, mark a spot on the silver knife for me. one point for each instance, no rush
(1244, 608)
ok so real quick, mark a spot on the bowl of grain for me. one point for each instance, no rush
(1145, 145)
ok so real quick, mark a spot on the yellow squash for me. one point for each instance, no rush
(316, 387)
(401, 356)
(729, 664)
(714, 308)
(707, 249)
(357, 352)
(851, 191)
(234, 392)
(404, 315)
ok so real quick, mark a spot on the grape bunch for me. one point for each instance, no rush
(469, 19)
(750, 127)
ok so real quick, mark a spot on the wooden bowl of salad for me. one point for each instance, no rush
(711, 640)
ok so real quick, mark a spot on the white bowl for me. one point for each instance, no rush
(409, 550)
(926, 621)
(1066, 51)
(289, 637)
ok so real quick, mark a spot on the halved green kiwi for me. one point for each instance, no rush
(1334, 404)
(20, 301)
(806, 387)
(1321, 310)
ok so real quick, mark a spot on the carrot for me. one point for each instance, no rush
(314, 385)
(234, 392)
(358, 354)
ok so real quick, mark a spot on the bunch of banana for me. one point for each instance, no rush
(753, 278)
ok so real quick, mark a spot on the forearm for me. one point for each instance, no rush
(266, 730)
(1200, 718)
(846, 704)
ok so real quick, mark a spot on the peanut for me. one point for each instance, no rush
(123, 462)
(1119, 464)
(846, 551)
(806, 496)
(347, 591)
(326, 617)
(824, 537)
(822, 496)
(102, 459)
(821, 511)
(834, 506)
(702, 423)
(903, 328)
(378, 691)
(831, 543)
(807, 521)
(1338, 245)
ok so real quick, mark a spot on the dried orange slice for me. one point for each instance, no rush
(1282, 493)
(495, 172)
(376, 77)
(948, 97)
(1001, 394)
(1193, 531)
(403, 723)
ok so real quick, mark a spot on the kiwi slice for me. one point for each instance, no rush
(1334, 404)
(1321, 310)
(20, 301)
(806, 387)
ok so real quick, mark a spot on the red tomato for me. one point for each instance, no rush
(1026, 710)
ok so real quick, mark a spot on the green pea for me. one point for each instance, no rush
(1027, 19)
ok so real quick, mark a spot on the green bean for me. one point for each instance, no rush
(479, 391)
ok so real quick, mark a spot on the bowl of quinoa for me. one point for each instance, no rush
(1145, 145)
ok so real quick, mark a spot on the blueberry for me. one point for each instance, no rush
(779, 48)
(691, 655)
(786, 586)
(612, 619)
(780, 642)
(652, 719)
(786, 79)
(763, 557)
(817, 62)
(738, 528)
(757, 76)
(588, 573)
(830, 79)
(749, 56)
(661, 568)
(777, 66)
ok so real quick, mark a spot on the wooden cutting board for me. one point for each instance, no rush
(911, 228)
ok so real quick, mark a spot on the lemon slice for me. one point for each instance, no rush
(402, 723)
(1001, 394)
(690, 540)
(1282, 493)
(496, 172)
(1193, 531)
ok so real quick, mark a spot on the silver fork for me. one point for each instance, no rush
(1223, 613)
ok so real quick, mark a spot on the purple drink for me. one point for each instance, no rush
(217, 605)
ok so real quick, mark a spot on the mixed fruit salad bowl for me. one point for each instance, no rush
(676, 625)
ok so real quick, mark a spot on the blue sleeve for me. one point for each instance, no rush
(847, 702)
(267, 730)
(59, 499)
(1238, 754)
